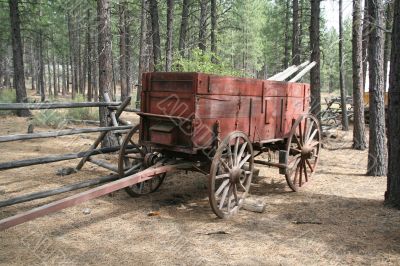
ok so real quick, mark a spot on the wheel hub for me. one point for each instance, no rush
(235, 174)
(306, 151)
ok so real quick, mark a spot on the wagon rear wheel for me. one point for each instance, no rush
(303, 147)
(230, 174)
(134, 158)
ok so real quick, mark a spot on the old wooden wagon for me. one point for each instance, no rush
(226, 123)
(216, 125)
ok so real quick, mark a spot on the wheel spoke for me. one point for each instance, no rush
(221, 176)
(296, 175)
(301, 172)
(224, 164)
(235, 151)
(297, 141)
(141, 186)
(313, 135)
(305, 171)
(229, 197)
(223, 197)
(244, 160)
(230, 155)
(221, 187)
(309, 129)
(244, 188)
(296, 150)
(132, 169)
(242, 150)
(313, 143)
(295, 158)
(309, 165)
(235, 194)
(301, 134)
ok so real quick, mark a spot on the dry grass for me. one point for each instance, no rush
(345, 220)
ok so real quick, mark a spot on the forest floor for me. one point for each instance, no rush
(337, 219)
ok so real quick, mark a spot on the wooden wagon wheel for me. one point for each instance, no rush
(133, 160)
(302, 151)
(230, 174)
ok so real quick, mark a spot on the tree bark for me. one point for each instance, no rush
(376, 149)
(365, 38)
(49, 87)
(122, 49)
(287, 20)
(169, 41)
(203, 25)
(315, 74)
(296, 34)
(63, 65)
(105, 62)
(184, 27)
(214, 29)
(18, 61)
(89, 56)
(343, 94)
(156, 34)
(389, 22)
(359, 142)
(392, 195)
(54, 75)
(41, 67)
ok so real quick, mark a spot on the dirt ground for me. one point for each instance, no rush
(337, 219)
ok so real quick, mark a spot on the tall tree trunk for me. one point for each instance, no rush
(286, 55)
(365, 38)
(184, 27)
(122, 49)
(359, 142)
(49, 87)
(129, 50)
(203, 25)
(169, 41)
(156, 34)
(214, 29)
(315, 74)
(41, 67)
(33, 65)
(64, 82)
(392, 195)
(144, 58)
(54, 75)
(389, 22)
(105, 62)
(95, 72)
(18, 61)
(296, 34)
(376, 149)
(343, 94)
(89, 56)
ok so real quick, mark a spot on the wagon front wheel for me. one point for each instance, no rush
(302, 151)
(230, 174)
(134, 158)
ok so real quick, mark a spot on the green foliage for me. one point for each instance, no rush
(52, 118)
(203, 62)
(58, 118)
(7, 96)
(86, 113)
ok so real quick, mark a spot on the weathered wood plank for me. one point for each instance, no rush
(42, 106)
(59, 133)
